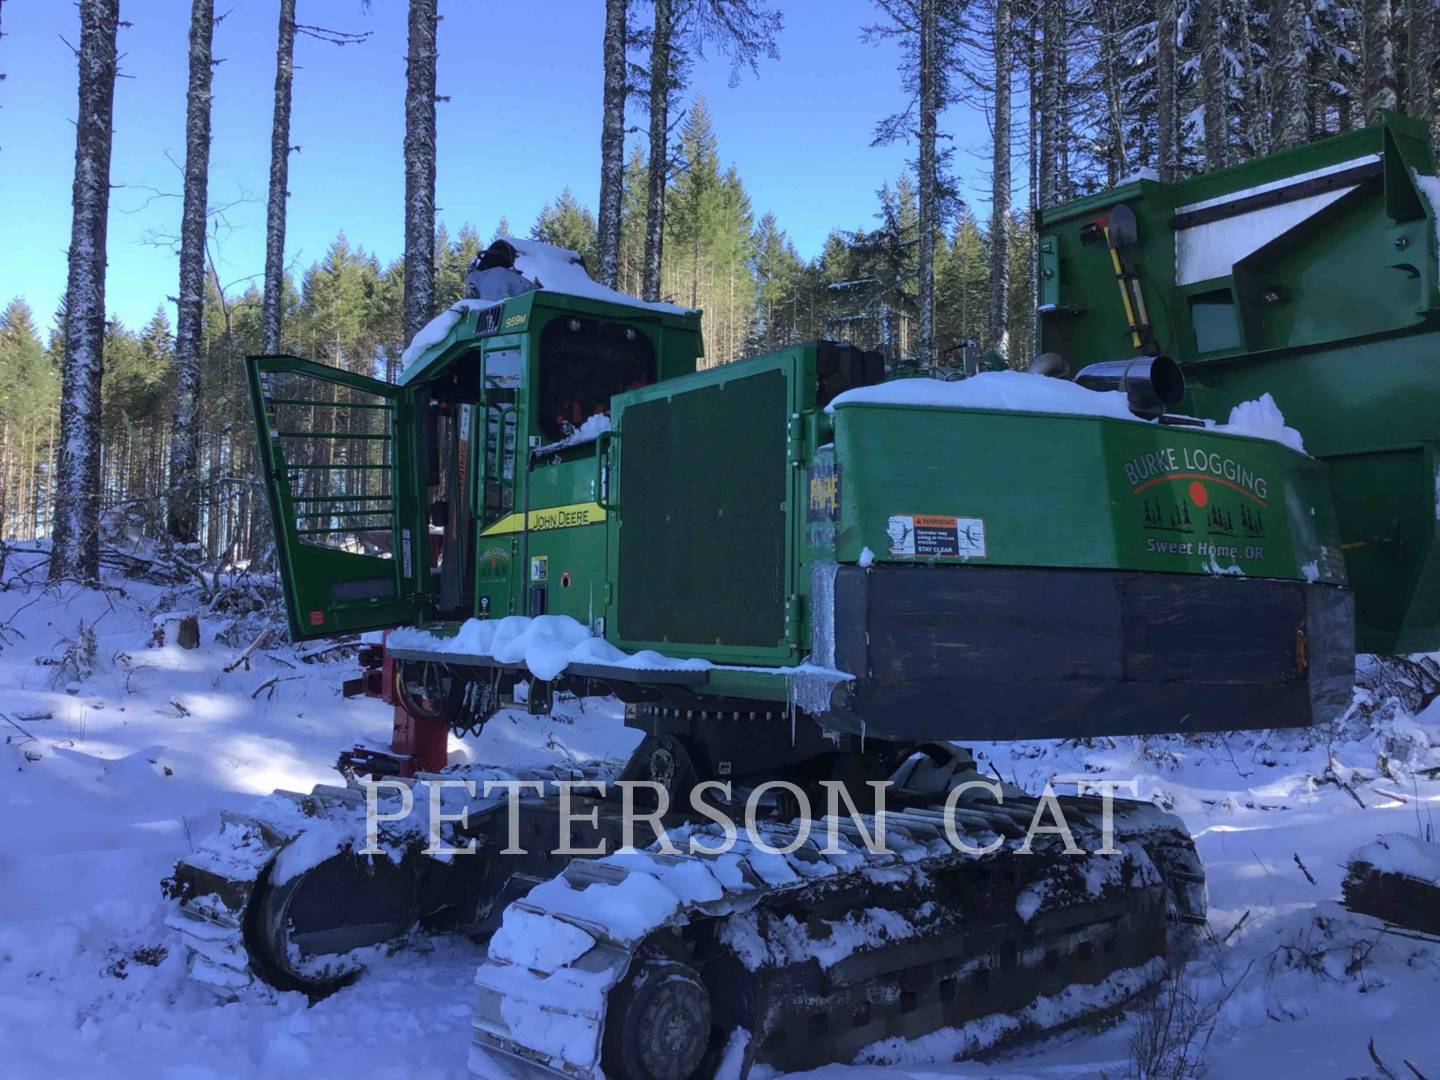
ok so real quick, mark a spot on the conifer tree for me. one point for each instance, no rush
(567, 224)
(75, 550)
(1379, 54)
(1289, 68)
(743, 31)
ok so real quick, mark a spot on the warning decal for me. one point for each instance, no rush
(931, 536)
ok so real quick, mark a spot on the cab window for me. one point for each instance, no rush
(583, 363)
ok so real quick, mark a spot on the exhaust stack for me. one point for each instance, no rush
(1151, 384)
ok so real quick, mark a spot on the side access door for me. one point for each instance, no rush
(330, 454)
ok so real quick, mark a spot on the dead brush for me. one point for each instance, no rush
(76, 662)
(1173, 1029)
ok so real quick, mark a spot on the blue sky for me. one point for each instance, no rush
(522, 123)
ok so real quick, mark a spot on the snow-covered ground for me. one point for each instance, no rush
(116, 760)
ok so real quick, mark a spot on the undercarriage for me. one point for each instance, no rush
(831, 929)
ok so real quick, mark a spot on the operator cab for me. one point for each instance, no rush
(450, 492)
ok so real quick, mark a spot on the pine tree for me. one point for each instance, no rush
(76, 536)
(420, 167)
(929, 31)
(29, 392)
(777, 271)
(184, 436)
(1289, 68)
(633, 221)
(567, 224)
(708, 233)
(744, 31)
(612, 143)
(452, 263)
(695, 196)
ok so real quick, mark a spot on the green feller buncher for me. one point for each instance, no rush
(789, 569)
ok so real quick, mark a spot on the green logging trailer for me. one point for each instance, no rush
(788, 568)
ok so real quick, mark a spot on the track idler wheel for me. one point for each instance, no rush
(658, 1023)
(298, 933)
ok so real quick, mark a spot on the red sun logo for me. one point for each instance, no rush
(1198, 495)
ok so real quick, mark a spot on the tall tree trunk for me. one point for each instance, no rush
(1052, 20)
(1112, 79)
(659, 145)
(1213, 82)
(612, 143)
(1166, 128)
(190, 304)
(279, 180)
(1063, 190)
(76, 550)
(929, 196)
(1034, 71)
(999, 320)
(1422, 60)
(1379, 58)
(1288, 68)
(420, 168)
(1254, 132)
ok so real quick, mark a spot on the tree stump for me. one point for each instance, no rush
(1396, 879)
(180, 627)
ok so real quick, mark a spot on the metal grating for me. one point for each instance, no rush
(334, 445)
(702, 542)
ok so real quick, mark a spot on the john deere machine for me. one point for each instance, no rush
(787, 568)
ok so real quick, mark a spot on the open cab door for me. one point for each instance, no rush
(330, 455)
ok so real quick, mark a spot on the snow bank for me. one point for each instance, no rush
(1021, 391)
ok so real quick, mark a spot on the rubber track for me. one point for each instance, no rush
(542, 1012)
